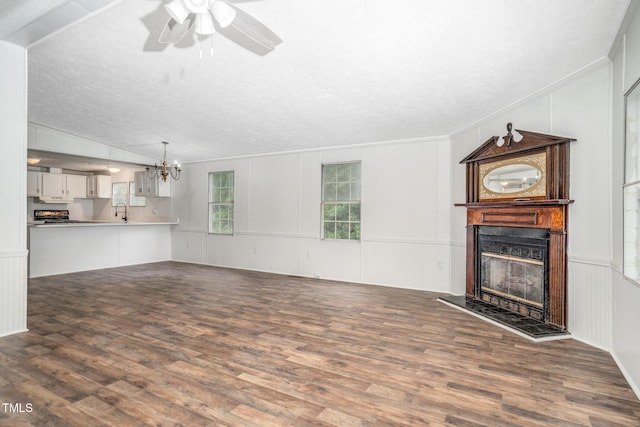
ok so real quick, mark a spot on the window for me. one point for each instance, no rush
(221, 202)
(631, 188)
(341, 201)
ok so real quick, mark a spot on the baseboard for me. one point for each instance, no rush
(632, 384)
(19, 331)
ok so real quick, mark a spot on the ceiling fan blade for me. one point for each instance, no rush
(154, 22)
(250, 33)
(173, 31)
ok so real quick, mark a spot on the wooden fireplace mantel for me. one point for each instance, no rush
(550, 214)
(544, 205)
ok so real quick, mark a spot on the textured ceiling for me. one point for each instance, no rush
(348, 72)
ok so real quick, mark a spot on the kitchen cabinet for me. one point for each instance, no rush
(146, 187)
(34, 184)
(76, 186)
(56, 186)
(98, 186)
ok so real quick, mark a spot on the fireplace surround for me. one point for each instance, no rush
(517, 215)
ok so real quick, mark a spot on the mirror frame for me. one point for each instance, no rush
(538, 190)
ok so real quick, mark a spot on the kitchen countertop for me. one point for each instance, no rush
(104, 222)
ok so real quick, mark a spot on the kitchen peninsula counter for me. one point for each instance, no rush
(103, 222)
(61, 248)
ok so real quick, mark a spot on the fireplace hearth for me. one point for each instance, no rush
(528, 327)
(517, 234)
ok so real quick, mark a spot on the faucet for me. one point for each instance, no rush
(124, 218)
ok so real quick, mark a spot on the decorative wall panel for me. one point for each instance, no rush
(13, 293)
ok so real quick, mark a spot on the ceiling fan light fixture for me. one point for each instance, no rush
(223, 13)
(177, 10)
(197, 6)
(204, 24)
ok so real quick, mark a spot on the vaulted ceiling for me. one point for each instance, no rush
(347, 72)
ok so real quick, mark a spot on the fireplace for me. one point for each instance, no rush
(516, 244)
(512, 269)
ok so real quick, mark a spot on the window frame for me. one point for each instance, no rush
(228, 204)
(353, 205)
(631, 214)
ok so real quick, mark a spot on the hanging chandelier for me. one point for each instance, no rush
(163, 171)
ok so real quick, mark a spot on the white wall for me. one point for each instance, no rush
(13, 142)
(625, 294)
(405, 216)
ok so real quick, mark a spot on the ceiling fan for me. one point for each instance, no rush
(206, 17)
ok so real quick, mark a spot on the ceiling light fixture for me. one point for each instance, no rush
(163, 171)
(113, 170)
(33, 161)
(204, 24)
(179, 10)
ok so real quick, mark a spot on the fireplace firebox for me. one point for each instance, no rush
(517, 214)
(512, 269)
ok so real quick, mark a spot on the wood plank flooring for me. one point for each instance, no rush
(178, 344)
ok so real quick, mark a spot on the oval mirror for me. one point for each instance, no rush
(511, 178)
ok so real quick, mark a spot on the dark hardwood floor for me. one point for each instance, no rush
(180, 344)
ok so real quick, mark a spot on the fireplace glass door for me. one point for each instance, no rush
(513, 277)
(512, 269)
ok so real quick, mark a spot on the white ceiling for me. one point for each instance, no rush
(348, 72)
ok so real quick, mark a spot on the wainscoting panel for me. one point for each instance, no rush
(189, 246)
(404, 264)
(13, 293)
(589, 302)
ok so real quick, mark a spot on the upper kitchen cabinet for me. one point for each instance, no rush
(34, 184)
(146, 187)
(99, 186)
(76, 186)
(56, 187)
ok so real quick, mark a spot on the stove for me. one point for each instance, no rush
(52, 216)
